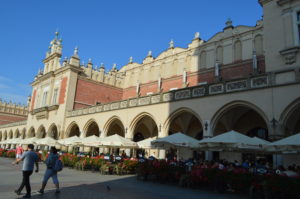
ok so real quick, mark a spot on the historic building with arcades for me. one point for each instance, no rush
(243, 78)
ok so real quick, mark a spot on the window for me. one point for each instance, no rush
(237, 51)
(298, 26)
(258, 44)
(44, 100)
(203, 59)
(54, 100)
(219, 54)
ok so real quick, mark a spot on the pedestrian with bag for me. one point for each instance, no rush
(29, 158)
(54, 165)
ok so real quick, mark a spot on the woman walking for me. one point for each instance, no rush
(51, 172)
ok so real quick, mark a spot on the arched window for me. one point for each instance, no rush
(219, 54)
(237, 51)
(203, 59)
(258, 44)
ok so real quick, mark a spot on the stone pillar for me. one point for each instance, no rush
(277, 160)
(81, 135)
(105, 150)
(207, 133)
(101, 150)
(208, 155)
(162, 154)
(70, 149)
(162, 132)
(127, 151)
(276, 130)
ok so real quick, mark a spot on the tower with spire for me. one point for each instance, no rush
(52, 60)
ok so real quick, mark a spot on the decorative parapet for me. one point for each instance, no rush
(236, 86)
(20, 123)
(14, 109)
(216, 89)
(256, 82)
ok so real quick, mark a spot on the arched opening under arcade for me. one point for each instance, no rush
(17, 133)
(52, 132)
(31, 132)
(4, 135)
(246, 119)
(291, 120)
(23, 133)
(10, 134)
(73, 130)
(92, 129)
(186, 122)
(41, 132)
(115, 126)
(241, 118)
(145, 128)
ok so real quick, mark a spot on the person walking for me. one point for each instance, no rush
(19, 151)
(51, 172)
(29, 158)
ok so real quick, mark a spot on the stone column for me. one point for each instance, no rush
(207, 133)
(162, 133)
(162, 154)
(81, 135)
(276, 132)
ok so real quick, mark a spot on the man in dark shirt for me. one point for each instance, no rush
(28, 158)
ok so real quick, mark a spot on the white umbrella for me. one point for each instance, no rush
(232, 140)
(29, 140)
(117, 141)
(91, 140)
(146, 143)
(3, 141)
(48, 141)
(13, 141)
(289, 144)
(70, 140)
(176, 140)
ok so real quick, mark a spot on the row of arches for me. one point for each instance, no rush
(239, 116)
(40, 133)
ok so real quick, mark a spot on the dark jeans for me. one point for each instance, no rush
(26, 182)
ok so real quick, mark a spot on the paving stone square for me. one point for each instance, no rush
(92, 185)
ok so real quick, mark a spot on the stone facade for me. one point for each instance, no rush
(242, 78)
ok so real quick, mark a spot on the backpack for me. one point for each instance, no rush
(58, 165)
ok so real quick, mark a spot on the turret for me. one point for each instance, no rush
(75, 61)
(101, 71)
(113, 73)
(89, 68)
(52, 60)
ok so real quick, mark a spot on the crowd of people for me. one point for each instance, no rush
(261, 166)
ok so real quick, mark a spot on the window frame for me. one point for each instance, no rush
(296, 24)
(55, 96)
(44, 99)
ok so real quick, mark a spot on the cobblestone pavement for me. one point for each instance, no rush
(89, 185)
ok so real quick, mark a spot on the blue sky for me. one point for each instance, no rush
(106, 31)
